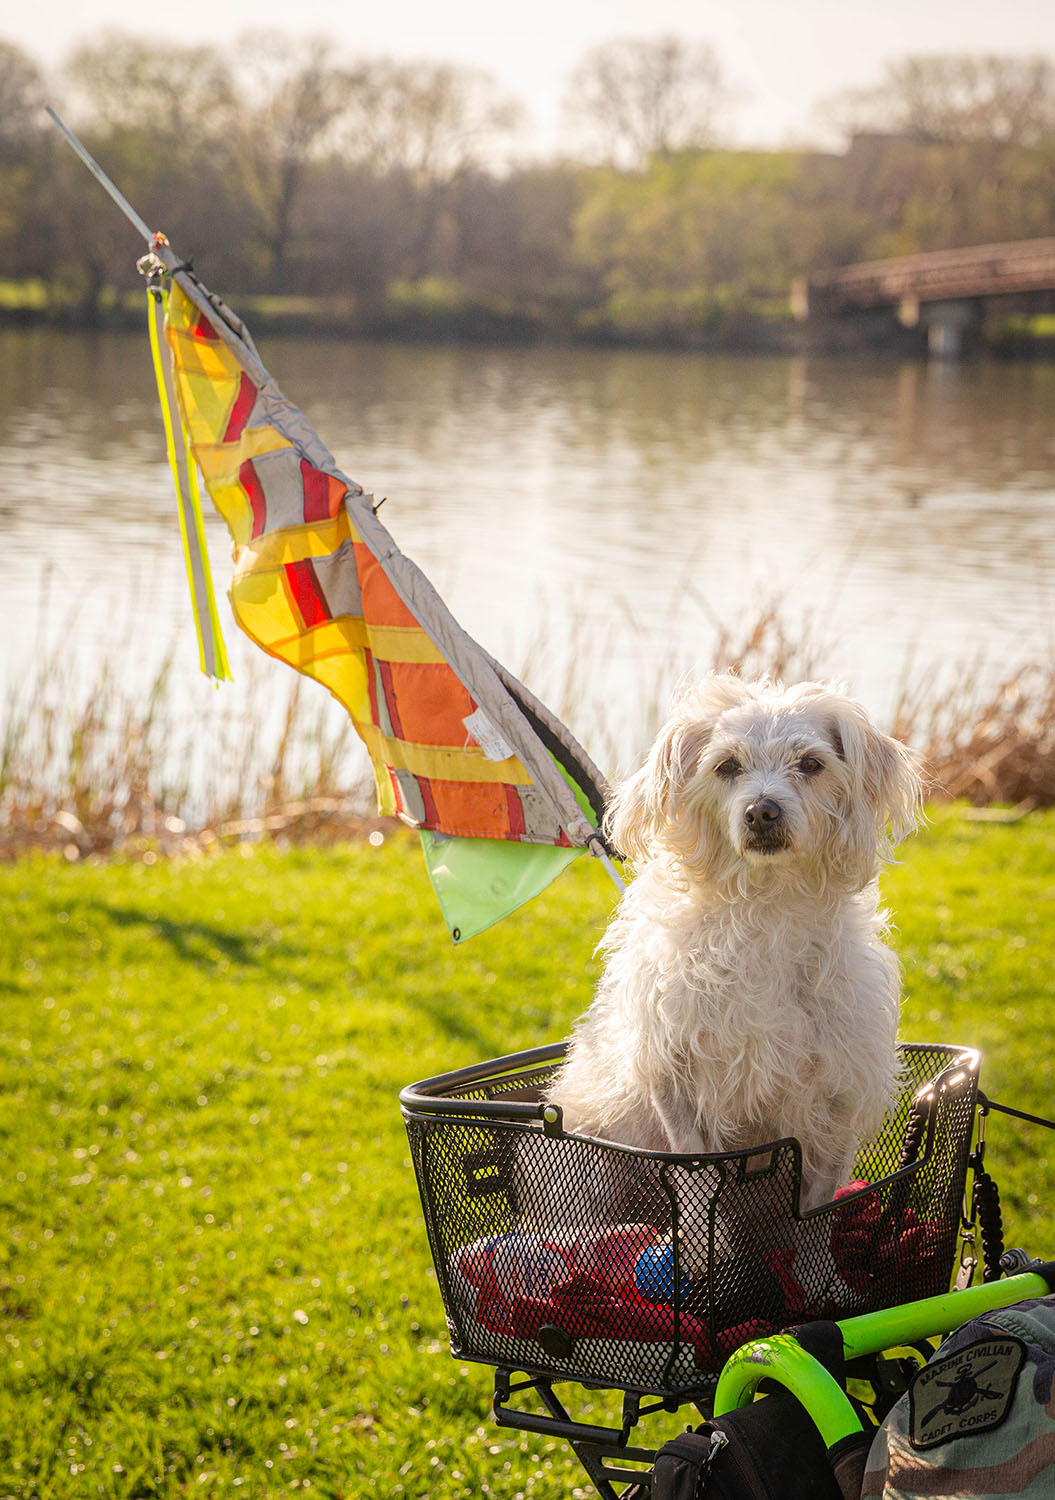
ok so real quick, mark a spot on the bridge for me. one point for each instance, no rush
(942, 289)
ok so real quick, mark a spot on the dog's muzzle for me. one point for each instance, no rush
(766, 831)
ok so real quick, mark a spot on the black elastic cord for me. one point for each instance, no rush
(991, 1223)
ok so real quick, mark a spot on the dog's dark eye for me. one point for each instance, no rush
(729, 768)
(809, 765)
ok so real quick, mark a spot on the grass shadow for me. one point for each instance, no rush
(192, 940)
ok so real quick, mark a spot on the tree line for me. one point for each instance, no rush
(396, 195)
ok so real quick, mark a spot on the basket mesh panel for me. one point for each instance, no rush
(572, 1258)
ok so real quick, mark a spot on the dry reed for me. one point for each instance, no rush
(119, 769)
(122, 769)
(996, 748)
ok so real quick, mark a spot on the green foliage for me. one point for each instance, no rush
(695, 219)
(429, 297)
(696, 241)
(278, 167)
(213, 1270)
(23, 295)
(961, 195)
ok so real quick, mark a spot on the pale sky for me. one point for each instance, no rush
(781, 56)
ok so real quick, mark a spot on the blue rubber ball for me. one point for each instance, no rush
(654, 1275)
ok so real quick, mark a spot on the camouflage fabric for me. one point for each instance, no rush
(979, 1420)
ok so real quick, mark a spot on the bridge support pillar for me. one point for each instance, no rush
(946, 323)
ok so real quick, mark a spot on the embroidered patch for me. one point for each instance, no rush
(967, 1392)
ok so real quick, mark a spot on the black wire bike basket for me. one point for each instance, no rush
(702, 1253)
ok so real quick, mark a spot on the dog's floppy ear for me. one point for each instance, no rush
(886, 786)
(643, 804)
(649, 802)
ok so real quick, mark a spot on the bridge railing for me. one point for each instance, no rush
(937, 275)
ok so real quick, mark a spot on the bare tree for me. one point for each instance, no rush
(430, 119)
(179, 95)
(295, 95)
(429, 124)
(954, 99)
(157, 115)
(21, 97)
(630, 98)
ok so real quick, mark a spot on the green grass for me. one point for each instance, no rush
(214, 1277)
(1036, 325)
(974, 904)
(20, 296)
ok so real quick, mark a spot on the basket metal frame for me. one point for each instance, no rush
(435, 1098)
(443, 1099)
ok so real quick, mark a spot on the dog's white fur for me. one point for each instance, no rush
(747, 994)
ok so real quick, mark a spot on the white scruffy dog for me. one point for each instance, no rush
(747, 994)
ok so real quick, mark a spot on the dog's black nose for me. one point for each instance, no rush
(762, 814)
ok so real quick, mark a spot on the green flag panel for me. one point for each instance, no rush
(480, 881)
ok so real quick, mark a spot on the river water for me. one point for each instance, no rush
(599, 520)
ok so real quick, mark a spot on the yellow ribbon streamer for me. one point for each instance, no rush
(211, 650)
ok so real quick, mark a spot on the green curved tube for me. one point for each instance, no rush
(871, 1332)
(782, 1358)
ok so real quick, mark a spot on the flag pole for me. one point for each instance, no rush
(100, 176)
(597, 849)
(211, 648)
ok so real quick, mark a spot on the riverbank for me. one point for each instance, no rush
(214, 1270)
(434, 311)
(107, 772)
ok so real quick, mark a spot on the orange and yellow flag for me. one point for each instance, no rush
(502, 795)
(460, 750)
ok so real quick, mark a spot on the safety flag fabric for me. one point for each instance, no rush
(460, 750)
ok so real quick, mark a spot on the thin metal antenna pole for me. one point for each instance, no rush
(598, 851)
(244, 348)
(97, 172)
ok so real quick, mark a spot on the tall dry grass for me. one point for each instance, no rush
(119, 768)
(995, 747)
